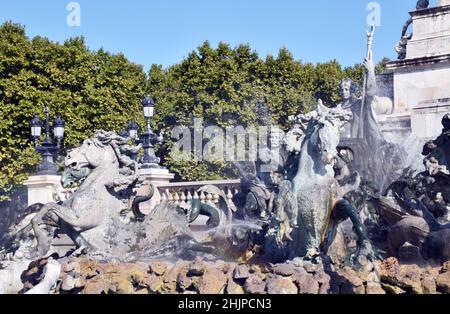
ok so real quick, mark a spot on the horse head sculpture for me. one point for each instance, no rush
(322, 128)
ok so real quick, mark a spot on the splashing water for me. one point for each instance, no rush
(242, 225)
(413, 147)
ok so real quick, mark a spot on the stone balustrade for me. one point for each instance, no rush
(182, 193)
(49, 189)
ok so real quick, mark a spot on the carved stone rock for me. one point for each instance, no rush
(306, 283)
(281, 285)
(213, 281)
(233, 287)
(254, 285)
(197, 267)
(443, 282)
(285, 270)
(158, 268)
(241, 272)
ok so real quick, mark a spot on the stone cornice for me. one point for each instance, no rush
(417, 62)
(430, 11)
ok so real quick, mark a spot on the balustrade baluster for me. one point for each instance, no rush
(229, 194)
(216, 199)
(209, 199)
(163, 196)
(169, 195)
(202, 197)
(176, 198)
(189, 197)
(183, 198)
(196, 196)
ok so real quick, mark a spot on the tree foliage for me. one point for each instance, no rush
(92, 90)
(235, 87)
(381, 67)
(224, 86)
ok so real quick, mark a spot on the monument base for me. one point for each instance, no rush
(156, 177)
(422, 92)
(396, 127)
(420, 85)
(43, 188)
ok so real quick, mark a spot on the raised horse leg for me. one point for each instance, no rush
(64, 218)
(343, 210)
(251, 207)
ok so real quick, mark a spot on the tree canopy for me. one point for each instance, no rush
(224, 86)
(92, 90)
(228, 86)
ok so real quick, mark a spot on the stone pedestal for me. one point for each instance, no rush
(158, 177)
(421, 82)
(422, 91)
(431, 33)
(42, 189)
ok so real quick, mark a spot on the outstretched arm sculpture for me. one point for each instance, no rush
(421, 4)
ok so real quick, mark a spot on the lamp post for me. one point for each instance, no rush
(48, 149)
(148, 139)
(133, 129)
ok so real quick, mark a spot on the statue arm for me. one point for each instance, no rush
(406, 26)
(371, 82)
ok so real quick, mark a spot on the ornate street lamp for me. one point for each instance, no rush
(133, 129)
(47, 149)
(148, 104)
(148, 139)
(58, 128)
(36, 127)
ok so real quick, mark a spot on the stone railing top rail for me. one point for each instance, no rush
(200, 183)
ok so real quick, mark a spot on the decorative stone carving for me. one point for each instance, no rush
(316, 190)
(93, 217)
(44, 189)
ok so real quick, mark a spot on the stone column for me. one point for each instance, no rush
(42, 188)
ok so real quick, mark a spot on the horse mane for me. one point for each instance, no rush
(323, 115)
(128, 168)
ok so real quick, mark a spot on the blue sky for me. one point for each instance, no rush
(165, 31)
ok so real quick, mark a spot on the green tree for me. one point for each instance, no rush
(232, 86)
(92, 90)
(381, 67)
(224, 86)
